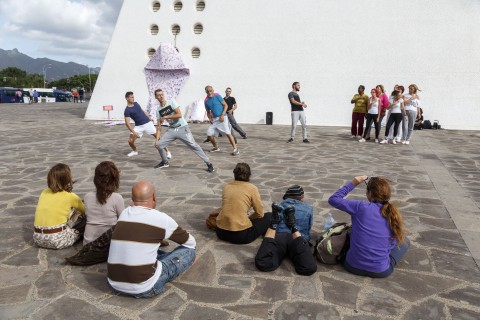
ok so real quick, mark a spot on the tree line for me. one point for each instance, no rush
(18, 78)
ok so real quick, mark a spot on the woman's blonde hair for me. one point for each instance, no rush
(415, 88)
(380, 192)
(60, 178)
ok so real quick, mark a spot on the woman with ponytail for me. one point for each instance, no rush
(377, 241)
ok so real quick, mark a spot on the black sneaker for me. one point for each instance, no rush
(206, 140)
(210, 167)
(306, 141)
(244, 137)
(275, 220)
(163, 164)
(289, 217)
(290, 140)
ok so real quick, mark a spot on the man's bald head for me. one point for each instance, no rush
(143, 192)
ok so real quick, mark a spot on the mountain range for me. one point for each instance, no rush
(55, 69)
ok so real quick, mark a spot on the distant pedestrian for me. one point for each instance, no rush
(232, 106)
(298, 113)
(81, 93)
(18, 96)
(75, 96)
(30, 95)
(35, 96)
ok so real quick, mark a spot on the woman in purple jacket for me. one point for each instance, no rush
(377, 241)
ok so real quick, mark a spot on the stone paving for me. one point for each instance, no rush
(436, 186)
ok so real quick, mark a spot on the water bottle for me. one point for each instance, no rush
(329, 221)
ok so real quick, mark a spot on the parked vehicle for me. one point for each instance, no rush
(7, 94)
(44, 95)
(62, 96)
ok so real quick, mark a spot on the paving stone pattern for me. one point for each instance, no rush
(436, 187)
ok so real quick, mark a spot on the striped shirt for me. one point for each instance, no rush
(132, 261)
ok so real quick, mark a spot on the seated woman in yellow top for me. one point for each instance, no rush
(233, 223)
(53, 208)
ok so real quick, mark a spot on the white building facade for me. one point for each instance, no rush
(259, 48)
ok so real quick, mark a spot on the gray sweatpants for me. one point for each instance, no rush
(185, 135)
(408, 125)
(299, 115)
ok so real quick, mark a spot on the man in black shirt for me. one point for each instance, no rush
(297, 112)
(232, 106)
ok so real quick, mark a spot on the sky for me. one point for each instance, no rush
(63, 30)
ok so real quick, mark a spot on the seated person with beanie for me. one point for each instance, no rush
(234, 224)
(289, 233)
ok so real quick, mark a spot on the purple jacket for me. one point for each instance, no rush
(371, 239)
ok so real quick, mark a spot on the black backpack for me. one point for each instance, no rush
(427, 124)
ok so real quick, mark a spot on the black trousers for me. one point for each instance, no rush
(259, 228)
(394, 118)
(272, 252)
(371, 118)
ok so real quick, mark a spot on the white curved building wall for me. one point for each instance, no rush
(260, 47)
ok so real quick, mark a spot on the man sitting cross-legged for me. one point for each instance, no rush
(136, 267)
(289, 233)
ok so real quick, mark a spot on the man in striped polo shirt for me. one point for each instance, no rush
(136, 267)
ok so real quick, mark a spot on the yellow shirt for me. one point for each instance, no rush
(53, 208)
(361, 103)
(237, 198)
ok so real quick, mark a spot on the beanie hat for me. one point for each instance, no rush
(294, 191)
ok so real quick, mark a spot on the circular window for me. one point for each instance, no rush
(198, 28)
(177, 6)
(200, 5)
(195, 53)
(154, 29)
(151, 52)
(175, 29)
(155, 6)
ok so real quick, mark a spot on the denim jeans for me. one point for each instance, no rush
(173, 264)
(395, 255)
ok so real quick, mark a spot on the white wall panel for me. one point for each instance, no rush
(260, 47)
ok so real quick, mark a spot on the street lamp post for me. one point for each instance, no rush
(89, 79)
(45, 72)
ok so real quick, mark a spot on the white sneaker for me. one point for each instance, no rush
(404, 142)
(133, 154)
(394, 141)
(169, 155)
(407, 142)
(398, 139)
(376, 140)
(353, 137)
(384, 141)
(361, 140)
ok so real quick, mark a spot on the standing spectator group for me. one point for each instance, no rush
(401, 110)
